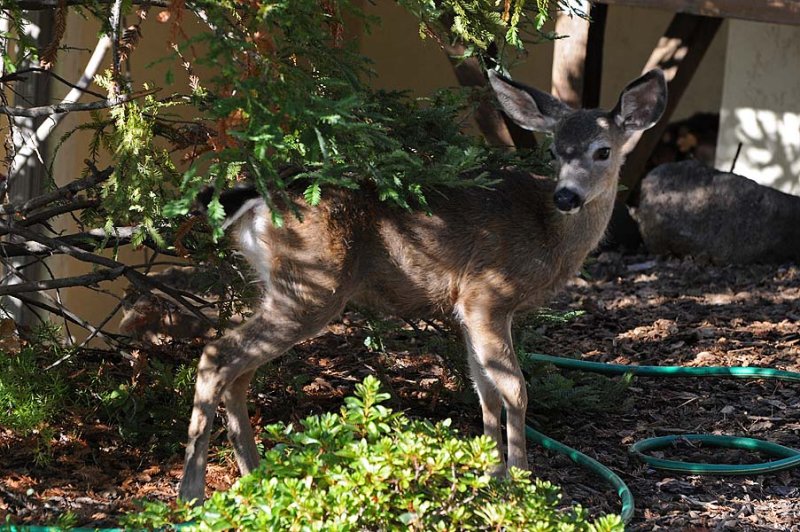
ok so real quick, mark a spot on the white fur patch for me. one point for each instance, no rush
(246, 206)
(251, 235)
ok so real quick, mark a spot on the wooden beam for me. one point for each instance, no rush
(578, 57)
(678, 53)
(496, 128)
(593, 68)
(569, 56)
(774, 11)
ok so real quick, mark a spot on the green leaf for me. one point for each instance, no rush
(313, 194)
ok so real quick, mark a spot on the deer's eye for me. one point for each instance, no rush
(601, 154)
(552, 153)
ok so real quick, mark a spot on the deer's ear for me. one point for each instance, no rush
(642, 102)
(530, 108)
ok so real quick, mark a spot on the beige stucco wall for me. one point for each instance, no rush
(761, 104)
(632, 33)
(403, 61)
(82, 35)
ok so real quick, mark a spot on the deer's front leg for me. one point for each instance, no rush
(491, 402)
(495, 365)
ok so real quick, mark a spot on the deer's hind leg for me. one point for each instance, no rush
(240, 432)
(226, 368)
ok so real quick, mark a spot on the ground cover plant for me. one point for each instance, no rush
(368, 468)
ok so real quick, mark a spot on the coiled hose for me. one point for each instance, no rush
(787, 457)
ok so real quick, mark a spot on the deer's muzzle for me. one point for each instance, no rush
(567, 200)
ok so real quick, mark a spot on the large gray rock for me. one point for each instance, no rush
(687, 208)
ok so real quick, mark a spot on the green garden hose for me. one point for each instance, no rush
(787, 457)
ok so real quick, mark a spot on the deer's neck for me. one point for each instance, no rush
(581, 233)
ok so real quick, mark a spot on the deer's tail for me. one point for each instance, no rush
(235, 202)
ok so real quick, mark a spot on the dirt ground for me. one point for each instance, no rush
(636, 310)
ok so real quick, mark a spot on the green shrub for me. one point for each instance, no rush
(31, 396)
(553, 390)
(43, 384)
(368, 468)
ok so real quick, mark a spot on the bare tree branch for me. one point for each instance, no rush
(15, 270)
(32, 143)
(64, 282)
(48, 110)
(90, 241)
(139, 280)
(19, 76)
(65, 192)
(44, 215)
(69, 315)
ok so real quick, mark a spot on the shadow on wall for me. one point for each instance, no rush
(761, 105)
(770, 153)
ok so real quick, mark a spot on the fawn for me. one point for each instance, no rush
(479, 256)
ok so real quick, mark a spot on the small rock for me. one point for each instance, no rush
(642, 266)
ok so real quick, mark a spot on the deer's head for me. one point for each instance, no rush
(589, 146)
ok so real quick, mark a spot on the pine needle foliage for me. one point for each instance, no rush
(288, 105)
(293, 92)
(555, 392)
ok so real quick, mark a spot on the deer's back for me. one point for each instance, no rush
(500, 247)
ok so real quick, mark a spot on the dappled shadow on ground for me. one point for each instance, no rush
(640, 311)
(637, 310)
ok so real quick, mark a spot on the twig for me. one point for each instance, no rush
(15, 270)
(96, 332)
(67, 314)
(64, 282)
(87, 241)
(56, 210)
(49, 110)
(17, 76)
(118, 306)
(58, 299)
(66, 191)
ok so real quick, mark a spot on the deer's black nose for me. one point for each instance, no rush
(567, 200)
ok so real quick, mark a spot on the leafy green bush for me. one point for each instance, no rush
(368, 468)
(30, 397)
(44, 382)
